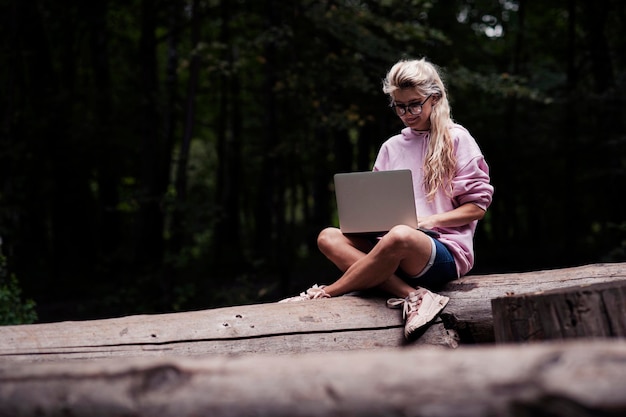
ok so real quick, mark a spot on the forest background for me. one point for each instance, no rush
(161, 156)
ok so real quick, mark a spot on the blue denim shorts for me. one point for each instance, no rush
(442, 269)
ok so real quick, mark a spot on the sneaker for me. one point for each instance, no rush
(312, 293)
(418, 309)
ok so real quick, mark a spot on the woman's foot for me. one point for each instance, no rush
(313, 293)
(418, 308)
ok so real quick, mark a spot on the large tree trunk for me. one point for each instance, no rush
(584, 311)
(149, 240)
(336, 324)
(565, 379)
(107, 146)
(469, 310)
(228, 246)
(171, 114)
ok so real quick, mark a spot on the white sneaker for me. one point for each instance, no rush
(419, 308)
(312, 293)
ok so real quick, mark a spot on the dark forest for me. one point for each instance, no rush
(160, 156)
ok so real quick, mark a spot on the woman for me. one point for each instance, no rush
(452, 192)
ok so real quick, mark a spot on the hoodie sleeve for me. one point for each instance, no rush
(472, 184)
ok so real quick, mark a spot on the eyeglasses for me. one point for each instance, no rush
(413, 108)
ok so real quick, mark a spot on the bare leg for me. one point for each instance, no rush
(342, 250)
(402, 247)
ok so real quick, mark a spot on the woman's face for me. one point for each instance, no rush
(407, 102)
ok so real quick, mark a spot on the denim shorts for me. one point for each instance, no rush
(440, 270)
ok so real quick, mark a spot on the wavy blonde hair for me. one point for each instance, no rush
(423, 77)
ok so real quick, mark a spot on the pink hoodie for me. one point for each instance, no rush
(470, 185)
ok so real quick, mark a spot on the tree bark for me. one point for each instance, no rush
(149, 242)
(469, 310)
(564, 379)
(336, 324)
(228, 247)
(590, 311)
(179, 232)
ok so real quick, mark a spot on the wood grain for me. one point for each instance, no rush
(583, 311)
(344, 323)
(544, 379)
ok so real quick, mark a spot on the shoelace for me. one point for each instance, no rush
(408, 304)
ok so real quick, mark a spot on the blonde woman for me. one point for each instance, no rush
(452, 193)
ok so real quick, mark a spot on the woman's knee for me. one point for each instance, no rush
(329, 238)
(401, 238)
(401, 233)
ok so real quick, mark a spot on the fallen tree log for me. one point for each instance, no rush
(342, 323)
(564, 379)
(584, 311)
(469, 311)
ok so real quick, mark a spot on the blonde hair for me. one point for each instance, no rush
(423, 77)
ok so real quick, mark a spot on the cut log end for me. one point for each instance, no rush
(585, 311)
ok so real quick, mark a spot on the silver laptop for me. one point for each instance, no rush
(375, 201)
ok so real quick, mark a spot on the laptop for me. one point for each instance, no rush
(375, 201)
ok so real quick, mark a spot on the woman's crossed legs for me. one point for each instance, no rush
(367, 265)
(370, 264)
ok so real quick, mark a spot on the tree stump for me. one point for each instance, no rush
(585, 311)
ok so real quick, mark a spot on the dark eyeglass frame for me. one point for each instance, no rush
(414, 109)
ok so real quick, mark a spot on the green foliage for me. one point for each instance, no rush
(13, 310)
